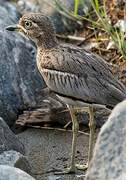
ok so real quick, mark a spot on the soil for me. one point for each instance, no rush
(49, 151)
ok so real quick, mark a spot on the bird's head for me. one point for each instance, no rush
(37, 27)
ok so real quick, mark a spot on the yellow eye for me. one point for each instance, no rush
(28, 24)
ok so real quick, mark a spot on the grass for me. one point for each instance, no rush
(117, 36)
(103, 21)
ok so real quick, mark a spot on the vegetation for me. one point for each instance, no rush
(102, 21)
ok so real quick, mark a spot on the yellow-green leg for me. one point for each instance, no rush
(91, 136)
(75, 128)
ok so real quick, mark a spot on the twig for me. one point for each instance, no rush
(57, 129)
(69, 37)
(85, 39)
(67, 124)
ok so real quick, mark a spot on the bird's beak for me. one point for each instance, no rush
(13, 28)
(17, 28)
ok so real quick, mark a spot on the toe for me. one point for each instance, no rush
(82, 167)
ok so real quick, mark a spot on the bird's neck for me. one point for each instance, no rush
(47, 41)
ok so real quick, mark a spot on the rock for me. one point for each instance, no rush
(15, 159)
(121, 25)
(8, 141)
(54, 177)
(62, 23)
(109, 158)
(100, 117)
(20, 80)
(3, 1)
(12, 173)
(8, 14)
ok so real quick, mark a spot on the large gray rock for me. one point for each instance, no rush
(15, 159)
(8, 13)
(12, 173)
(20, 81)
(109, 158)
(8, 141)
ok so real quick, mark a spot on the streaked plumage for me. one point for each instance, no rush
(77, 76)
(80, 75)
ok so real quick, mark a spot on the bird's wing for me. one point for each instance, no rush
(82, 75)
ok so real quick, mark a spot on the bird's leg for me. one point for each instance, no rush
(75, 128)
(91, 137)
(92, 134)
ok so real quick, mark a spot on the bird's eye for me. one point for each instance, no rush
(28, 24)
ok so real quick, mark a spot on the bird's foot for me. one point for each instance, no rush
(68, 170)
(73, 169)
(82, 167)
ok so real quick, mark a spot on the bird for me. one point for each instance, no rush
(80, 78)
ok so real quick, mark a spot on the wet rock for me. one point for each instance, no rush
(12, 173)
(15, 159)
(62, 23)
(8, 141)
(109, 158)
(20, 80)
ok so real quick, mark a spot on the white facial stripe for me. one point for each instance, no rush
(21, 27)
